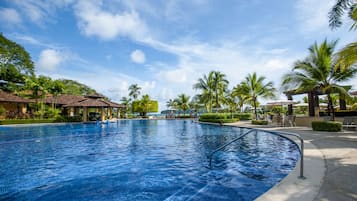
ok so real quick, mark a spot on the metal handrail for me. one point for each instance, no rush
(280, 133)
(223, 146)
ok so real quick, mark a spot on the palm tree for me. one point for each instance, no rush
(339, 9)
(254, 87)
(347, 57)
(56, 88)
(212, 89)
(170, 104)
(231, 102)
(238, 92)
(182, 102)
(126, 102)
(318, 72)
(134, 91)
(219, 86)
(205, 84)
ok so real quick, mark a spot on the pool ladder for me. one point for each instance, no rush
(280, 133)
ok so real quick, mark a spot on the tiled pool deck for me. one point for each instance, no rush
(330, 167)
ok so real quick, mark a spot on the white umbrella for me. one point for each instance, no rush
(281, 102)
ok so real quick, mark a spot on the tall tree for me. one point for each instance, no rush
(170, 104)
(55, 88)
(15, 63)
(254, 87)
(239, 93)
(205, 84)
(339, 9)
(220, 84)
(318, 72)
(212, 89)
(126, 102)
(347, 56)
(182, 102)
(134, 91)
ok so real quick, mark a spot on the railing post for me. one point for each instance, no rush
(301, 159)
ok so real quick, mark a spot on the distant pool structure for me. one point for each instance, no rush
(139, 160)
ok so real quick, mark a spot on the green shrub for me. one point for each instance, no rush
(52, 113)
(221, 121)
(69, 119)
(213, 116)
(26, 121)
(243, 116)
(331, 126)
(259, 122)
(2, 110)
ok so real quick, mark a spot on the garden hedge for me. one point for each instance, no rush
(330, 126)
(26, 121)
(218, 118)
(259, 122)
(221, 121)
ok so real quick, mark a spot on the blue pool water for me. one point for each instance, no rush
(139, 160)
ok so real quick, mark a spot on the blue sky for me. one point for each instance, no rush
(166, 45)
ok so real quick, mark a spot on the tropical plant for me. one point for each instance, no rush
(212, 89)
(170, 104)
(145, 105)
(55, 88)
(182, 103)
(134, 91)
(230, 101)
(317, 72)
(219, 87)
(238, 92)
(254, 87)
(339, 9)
(15, 63)
(126, 102)
(347, 56)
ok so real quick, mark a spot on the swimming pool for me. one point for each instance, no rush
(139, 160)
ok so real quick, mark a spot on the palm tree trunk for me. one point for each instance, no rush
(255, 110)
(331, 110)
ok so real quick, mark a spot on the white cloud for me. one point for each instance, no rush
(10, 16)
(95, 21)
(138, 56)
(40, 11)
(50, 59)
(313, 15)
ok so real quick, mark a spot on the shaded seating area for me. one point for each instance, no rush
(94, 104)
(15, 106)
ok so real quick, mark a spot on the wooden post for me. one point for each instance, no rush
(102, 114)
(85, 114)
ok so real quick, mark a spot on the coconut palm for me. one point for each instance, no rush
(134, 91)
(219, 86)
(231, 102)
(212, 89)
(182, 102)
(205, 84)
(339, 9)
(254, 87)
(318, 72)
(170, 104)
(238, 93)
(347, 57)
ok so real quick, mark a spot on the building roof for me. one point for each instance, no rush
(91, 101)
(12, 98)
(354, 93)
(64, 99)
